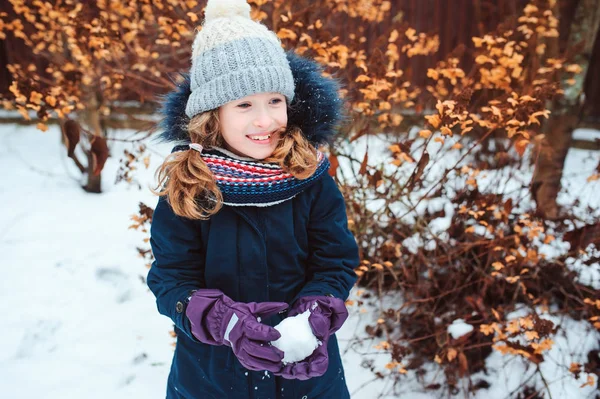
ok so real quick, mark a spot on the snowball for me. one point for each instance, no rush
(458, 328)
(297, 340)
(226, 8)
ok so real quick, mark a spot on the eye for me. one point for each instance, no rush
(243, 105)
(276, 101)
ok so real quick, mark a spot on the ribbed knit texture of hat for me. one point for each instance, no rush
(234, 57)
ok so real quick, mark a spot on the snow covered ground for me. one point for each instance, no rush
(77, 320)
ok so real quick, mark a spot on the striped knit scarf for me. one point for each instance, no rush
(248, 182)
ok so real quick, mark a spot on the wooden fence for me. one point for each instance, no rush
(455, 21)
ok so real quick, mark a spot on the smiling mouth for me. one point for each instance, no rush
(263, 138)
(260, 138)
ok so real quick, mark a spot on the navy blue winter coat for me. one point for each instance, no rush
(254, 254)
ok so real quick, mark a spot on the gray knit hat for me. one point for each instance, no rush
(233, 57)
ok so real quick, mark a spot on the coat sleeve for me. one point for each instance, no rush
(333, 249)
(178, 267)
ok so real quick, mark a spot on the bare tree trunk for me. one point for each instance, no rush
(566, 112)
(91, 117)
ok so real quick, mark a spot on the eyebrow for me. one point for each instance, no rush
(241, 101)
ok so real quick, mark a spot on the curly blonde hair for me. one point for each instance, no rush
(189, 185)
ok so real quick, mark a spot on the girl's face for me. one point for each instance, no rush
(252, 125)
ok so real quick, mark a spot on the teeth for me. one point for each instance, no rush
(257, 138)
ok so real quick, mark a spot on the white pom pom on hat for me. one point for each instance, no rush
(226, 9)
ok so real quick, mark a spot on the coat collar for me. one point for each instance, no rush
(316, 108)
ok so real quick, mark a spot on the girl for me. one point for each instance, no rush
(249, 227)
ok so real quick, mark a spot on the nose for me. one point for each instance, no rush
(263, 119)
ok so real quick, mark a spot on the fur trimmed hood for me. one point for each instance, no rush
(316, 108)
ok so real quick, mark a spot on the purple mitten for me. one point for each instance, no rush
(327, 315)
(218, 320)
(313, 366)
